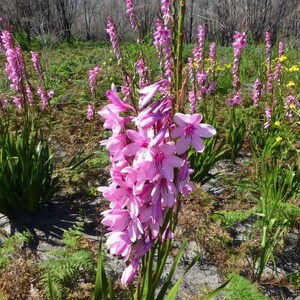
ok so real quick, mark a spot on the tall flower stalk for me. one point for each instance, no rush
(150, 171)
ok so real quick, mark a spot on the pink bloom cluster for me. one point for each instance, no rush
(142, 69)
(235, 100)
(13, 66)
(45, 97)
(166, 10)
(257, 92)
(36, 63)
(268, 61)
(268, 114)
(130, 12)
(162, 42)
(279, 64)
(291, 104)
(212, 57)
(93, 79)
(147, 148)
(238, 44)
(197, 62)
(111, 30)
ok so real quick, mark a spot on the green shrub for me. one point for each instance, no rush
(26, 181)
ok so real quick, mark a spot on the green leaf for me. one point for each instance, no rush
(214, 294)
(174, 290)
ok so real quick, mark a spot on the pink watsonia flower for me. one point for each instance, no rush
(93, 79)
(201, 37)
(36, 63)
(164, 190)
(192, 99)
(122, 220)
(256, 92)
(111, 30)
(142, 69)
(239, 44)
(162, 160)
(268, 61)
(291, 105)
(184, 184)
(190, 131)
(90, 112)
(13, 66)
(278, 67)
(162, 42)
(149, 91)
(268, 114)
(44, 98)
(130, 13)
(119, 243)
(212, 58)
(18, 102)
(235, 100)
(29, 95)
(166, 10)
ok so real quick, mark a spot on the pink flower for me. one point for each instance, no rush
(162, 161)
(129, 272)
(190, 131)
(36, 64)
(90, 112)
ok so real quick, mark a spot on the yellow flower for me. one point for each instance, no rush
(277, 123)
(228, 66)
(292, 106)
(279, 139)
(290, 83)
(293, 68)
(110, 59)
(110, 78)
(282, 58)
(219, 69)
(104, 63)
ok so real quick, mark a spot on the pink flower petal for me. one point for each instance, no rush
(196, 119)
(182, 144)
(198, 143)
(182, 119)
(177, 132)
(205, 130)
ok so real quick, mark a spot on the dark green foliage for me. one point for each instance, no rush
(25, 170)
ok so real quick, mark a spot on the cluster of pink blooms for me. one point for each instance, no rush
(13, 66)
(93, 79)
(15, 69)
(291, 104)
(142, 70)
(235, 100)
(212, 57)
(268, 114)
(130, 12)
(166, 10)
(197, 70)
(238, 44)
(257, 92)
(268, 61)
(162, 42)
(36, 63)
(111, 30)
(279, 64)
(146, 148)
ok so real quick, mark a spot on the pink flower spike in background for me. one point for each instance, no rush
(191, 131)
